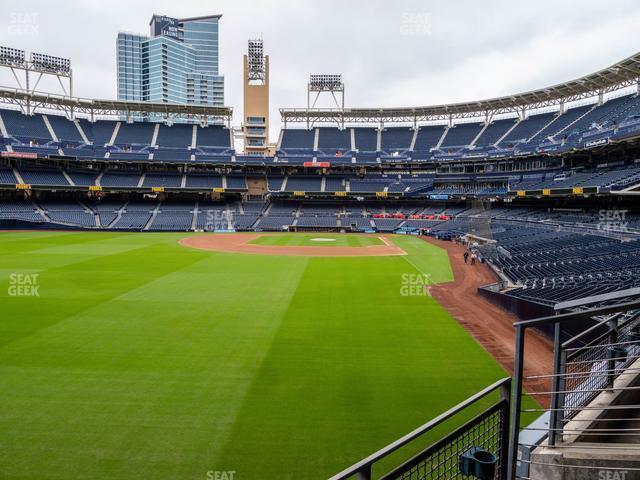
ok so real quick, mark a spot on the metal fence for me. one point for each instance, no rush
(586, 368)
(478, 446)
(487, 446)
(442, 460)
(585, 365)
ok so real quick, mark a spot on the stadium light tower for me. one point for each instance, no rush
(331, 84)
(38, 65)
(255, 125)
(256, 62)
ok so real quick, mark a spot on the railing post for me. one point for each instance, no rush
(516, 401)
(557, 385)
(560, 394)
(611, 364)
(364, 473)
(505, 395)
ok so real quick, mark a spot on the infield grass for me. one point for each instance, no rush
(141, 358)
(317, 240)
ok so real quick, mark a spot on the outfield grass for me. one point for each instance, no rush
(317, 240)
(141, 358)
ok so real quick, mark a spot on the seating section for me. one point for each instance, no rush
(320, 222)
(369, 184)
(304, 184)
(212, 216)
(53, 134)
(494, 132)
(335, 183)
(28, 128)
(69, 214)
(548, 266)
(527, 128)
(215, 136)
(311, 209)
(172, 221)
(333, 139)
(138, 133)
(106, 211)
(125, 154)
(561, 122)
(428, 138)
(171, 155)
(236, 182)
(600, 114)
(387, 224)
(100, 132)
(203, 180)
(171, 180)
(132, 221)
(297, 139)
(173, 216)
(282, 208)
(43, 176)
(396, 139)
(65, 130)
(461, 135)
(120, 179)
(7, 176)
(135, 216)
(538, 132)
(274, 223)
(176, 136)
(605, 179)
(358, 224)
(22, 210)
(366, 139)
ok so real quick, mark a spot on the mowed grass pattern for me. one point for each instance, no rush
(317, 240)
(145, 359)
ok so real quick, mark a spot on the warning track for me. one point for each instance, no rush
(490, 325)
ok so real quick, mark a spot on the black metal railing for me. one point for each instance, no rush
(586, 368)
(585, 365)
(487, 446)
(479, 445)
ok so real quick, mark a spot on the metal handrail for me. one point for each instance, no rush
(509, 433)
(563, 317)
(592, 329)
(363, 467)
(560, 357)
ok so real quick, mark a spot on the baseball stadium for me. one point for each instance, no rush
(449, 291)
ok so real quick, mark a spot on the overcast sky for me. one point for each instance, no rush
(391, 53)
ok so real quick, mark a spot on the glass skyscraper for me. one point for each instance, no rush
(176, 63)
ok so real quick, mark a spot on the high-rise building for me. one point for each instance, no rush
(176, 63)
